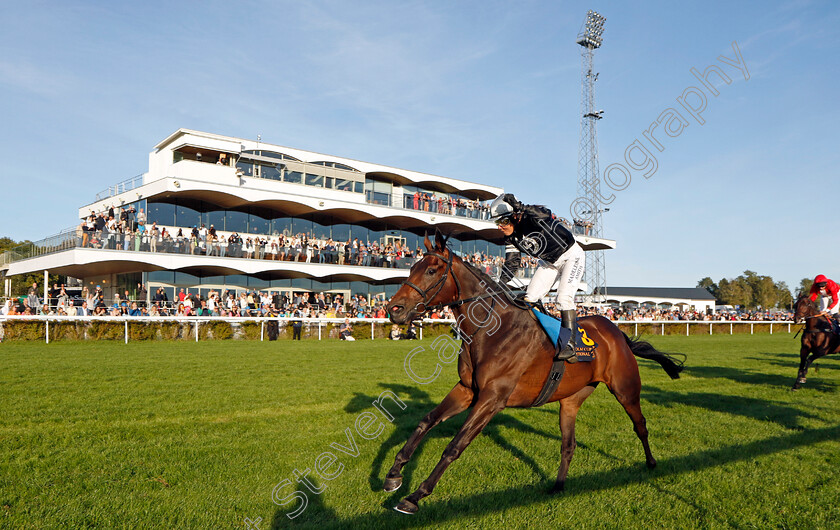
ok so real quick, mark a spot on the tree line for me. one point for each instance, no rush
(754, 291)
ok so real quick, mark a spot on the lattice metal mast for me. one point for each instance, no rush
(590, 39)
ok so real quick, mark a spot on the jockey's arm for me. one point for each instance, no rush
(513, 261)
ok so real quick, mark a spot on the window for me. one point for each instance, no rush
(236, 221)
(187, 217)
(217, 219)
(359, 187)
(314, 180)
(343, 184)
(295, 177)
(271, 172)
(162, 213)
(246, 167)
(328, 182)
(257, 225)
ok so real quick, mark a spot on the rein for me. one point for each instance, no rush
(439, 284)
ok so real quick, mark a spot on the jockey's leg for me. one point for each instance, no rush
(540, 283)
(571, 265)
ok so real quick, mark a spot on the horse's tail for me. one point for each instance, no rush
(645, 350)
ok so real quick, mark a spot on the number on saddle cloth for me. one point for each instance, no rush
(584, 346)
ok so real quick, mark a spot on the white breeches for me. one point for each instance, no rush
(568, 269)
(825, 301)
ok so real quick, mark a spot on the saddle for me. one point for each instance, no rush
(584, 346)
(584, 349)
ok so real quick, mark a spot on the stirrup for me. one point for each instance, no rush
(567, 354)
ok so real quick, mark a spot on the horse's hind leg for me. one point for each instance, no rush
(628, 395)
(458, 399)
(568, 414)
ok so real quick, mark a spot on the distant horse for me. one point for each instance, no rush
(818, 339)
(505, 358)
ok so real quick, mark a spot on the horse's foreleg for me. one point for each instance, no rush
(487, 406)
(458, 399)
(803, 367)
(568, 414)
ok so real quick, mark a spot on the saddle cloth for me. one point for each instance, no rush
(584, 346)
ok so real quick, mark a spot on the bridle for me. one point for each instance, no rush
(439, 284)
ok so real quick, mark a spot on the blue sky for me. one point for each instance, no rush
(485, 91)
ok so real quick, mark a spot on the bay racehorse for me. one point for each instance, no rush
(504, 360)
(818, 339)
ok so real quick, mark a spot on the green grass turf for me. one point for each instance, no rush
(186, 435)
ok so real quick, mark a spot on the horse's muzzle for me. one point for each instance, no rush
(401, 314)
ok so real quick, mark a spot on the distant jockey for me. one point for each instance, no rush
(830, 301)
(534, 231)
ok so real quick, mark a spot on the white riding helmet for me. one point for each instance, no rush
(500, 209)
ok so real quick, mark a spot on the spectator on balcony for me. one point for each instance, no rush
(141, 217)
(154, 234)
(134, 311)
(166, 240)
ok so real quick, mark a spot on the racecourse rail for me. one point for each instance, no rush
(647, 326)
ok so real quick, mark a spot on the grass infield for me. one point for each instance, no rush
(198, 435)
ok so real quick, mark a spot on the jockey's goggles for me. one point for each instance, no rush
(503, 221)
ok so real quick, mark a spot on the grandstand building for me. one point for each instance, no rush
(282, 220)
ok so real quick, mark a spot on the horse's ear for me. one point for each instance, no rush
(440, 241)
(426, 242)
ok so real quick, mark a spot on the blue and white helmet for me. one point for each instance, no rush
(500, 208)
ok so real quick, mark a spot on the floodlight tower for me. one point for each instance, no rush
(590, 39)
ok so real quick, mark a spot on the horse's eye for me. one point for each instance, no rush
(431, 271)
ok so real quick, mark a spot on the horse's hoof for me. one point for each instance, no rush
(392, 484)
(795, 388)
(558, 487)
(651, 463)
(406, 506)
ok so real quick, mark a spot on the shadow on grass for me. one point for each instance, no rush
(757, 409)
(476, 505)
(418, 404)
(754, 378)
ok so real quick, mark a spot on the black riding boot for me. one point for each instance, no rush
(567, 320)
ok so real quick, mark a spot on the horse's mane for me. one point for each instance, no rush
(486, 278)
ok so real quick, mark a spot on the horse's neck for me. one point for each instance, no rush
(468, 316)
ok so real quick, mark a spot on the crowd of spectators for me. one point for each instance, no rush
(189, 302)
(126, 229)
(644, 313)
(433, 203)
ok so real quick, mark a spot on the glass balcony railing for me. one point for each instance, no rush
(137, 242)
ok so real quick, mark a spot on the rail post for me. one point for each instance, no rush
(126, 331)
(48, 331)
(319, 330)
(371, 330)
(262, 329)
(686, 329)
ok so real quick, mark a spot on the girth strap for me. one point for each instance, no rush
(558, 368)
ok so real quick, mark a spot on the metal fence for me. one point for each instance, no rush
(126, 185)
